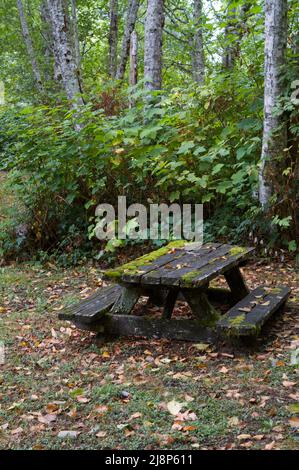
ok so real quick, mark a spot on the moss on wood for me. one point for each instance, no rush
(145, 260)
(237, 250)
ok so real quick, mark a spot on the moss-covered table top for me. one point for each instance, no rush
(180, 264)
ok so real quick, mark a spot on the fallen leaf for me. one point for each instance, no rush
(242, 437)
(201, 346)
(17, 431)
(287, 383)
(47, 419)
(174, 407)
(68, 434)
(269, 446)
(294, 422)
(101, 434)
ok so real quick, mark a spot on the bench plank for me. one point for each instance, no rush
(94, 307)
(249, 315)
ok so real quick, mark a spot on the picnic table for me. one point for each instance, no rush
(180, 270)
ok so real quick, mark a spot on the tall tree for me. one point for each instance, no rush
(132, 12)
(29, 47)
(274, 133)
(230, 38)
(233, 33)
(63, 49)
(113, 38)
(133, 59)
(197, 51)
(153, 32)
(76, 35)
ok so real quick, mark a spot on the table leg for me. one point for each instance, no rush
(169, 304)
(201, 307)
(156, 297)
(127, 300)
(236, 284)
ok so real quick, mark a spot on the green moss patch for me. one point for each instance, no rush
(145, 260)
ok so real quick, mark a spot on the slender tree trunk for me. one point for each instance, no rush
(133, 59)
(230, 36)
(197, 51)
(133, 63)
(64, 49)
(233, 34)
(153, 33)
(76, 34)
(129, 28)
(113, 38)
(49, 44)
(274, 134)
(29, 47)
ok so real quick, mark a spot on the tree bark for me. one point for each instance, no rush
(197, 51)
(274, 132)
(63, 49)
(29, 47)
(230, 35)
(153, 33)
(133, 59)
(76, 34)
(234, 32)
(133, 64)
(129, 28)
(113, 38)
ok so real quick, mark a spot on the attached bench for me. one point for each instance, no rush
(248, 316)
(94, 307)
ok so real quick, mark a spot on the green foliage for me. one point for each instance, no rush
(177, 149)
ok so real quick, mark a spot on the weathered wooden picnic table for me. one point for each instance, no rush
(179, 269)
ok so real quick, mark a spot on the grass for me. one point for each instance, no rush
(116, 396)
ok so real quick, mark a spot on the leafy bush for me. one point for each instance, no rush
(193, 146)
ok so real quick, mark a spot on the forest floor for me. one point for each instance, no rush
(139, 394)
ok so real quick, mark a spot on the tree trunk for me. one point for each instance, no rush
(113, 37)
(197, 52)
(133, 63)
(274, 133)
(230, 36)
(76, 35)
(29, 47)
(153, 32)
(52, 66)
(133, 59)
(234, 32)
(129, 28)
(63, 48)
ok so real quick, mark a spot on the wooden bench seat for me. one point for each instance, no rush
(248, 316)
(93, 307)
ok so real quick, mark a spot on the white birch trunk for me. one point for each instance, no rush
(64, 49)
(113, 38)
(29, 47)
(153, 32)
(274, 132)
(129, 28)
(197, 51)
(133, 59)
(76, 35)
(49, 41)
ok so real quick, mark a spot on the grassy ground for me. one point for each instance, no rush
(138, 394)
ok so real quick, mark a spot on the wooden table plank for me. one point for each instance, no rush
(172, 271)
(219, 266)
